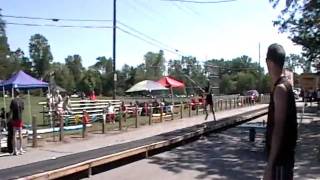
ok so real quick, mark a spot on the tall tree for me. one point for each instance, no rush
(103, 65)
(4, 51)
(74, 63)
(301, 20)
(91, 81)
(40, 54)
(155, 65)
(294, 61)
(63, 76)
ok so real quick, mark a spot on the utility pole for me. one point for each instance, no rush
(114, 49)
(260, 75)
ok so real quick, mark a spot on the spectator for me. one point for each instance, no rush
(2, 118)
(67, 105)
(281, 133)
(82, 96)
(111, 113)
(16, 109)
(124, 110)
(92, 96)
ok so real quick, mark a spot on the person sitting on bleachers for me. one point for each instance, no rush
(193, 103)
(67, 105)
(92, 96)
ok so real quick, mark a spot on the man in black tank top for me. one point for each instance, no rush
(282, 120)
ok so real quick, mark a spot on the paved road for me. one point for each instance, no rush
(226, 155)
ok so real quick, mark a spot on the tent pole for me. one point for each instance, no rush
(171, 95)
(4, 102)
(12, 93)
(30, 115)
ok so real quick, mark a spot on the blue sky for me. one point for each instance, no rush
(205, 31)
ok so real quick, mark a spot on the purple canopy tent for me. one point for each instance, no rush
(21, 80)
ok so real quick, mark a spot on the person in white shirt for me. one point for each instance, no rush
(111, 113)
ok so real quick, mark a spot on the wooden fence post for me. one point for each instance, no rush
(172, 111)
(61, 134)
(34, 132)
(85, 121)
(84, 129)
(197, 109)
(215, 106)
(150, 115)
(120, 120)
(136, 119)
(104, 123)
(161, 112)
(181, 110)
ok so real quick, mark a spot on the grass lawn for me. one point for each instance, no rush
(35, 107)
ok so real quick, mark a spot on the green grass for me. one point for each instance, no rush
(35, 107)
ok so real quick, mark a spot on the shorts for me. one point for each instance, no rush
(111, 116)
(17, 123)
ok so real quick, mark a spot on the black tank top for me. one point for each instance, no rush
(290, 127)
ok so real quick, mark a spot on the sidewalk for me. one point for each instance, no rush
(94, 141)
(307, 165)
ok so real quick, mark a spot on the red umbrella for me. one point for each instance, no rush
(170, 82)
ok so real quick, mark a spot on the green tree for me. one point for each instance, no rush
(301, 20)
(103, 65)
(40, 54)
(294, 61)
(20, 61)
(140, 73)
(245, 82)
(91, 81)
(155, 66)
(188, 70)
(4, 51)
(74, 63)
(266, 84)
(63, 76)
(126, 77)
(228, 85)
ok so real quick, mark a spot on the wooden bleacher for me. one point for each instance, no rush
(94, 108)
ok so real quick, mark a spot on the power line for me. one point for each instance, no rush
(147, 41)
(146, 36)
(201, 2)
(62, 26)
(55, 19)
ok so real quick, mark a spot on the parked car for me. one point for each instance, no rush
(253, 94)
(74, 96)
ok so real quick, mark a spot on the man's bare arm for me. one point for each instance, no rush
(280, 106)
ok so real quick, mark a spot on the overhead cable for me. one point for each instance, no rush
(149, 42)
(201, 2)
(55, 19)
(143, 34)
(62, 26)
